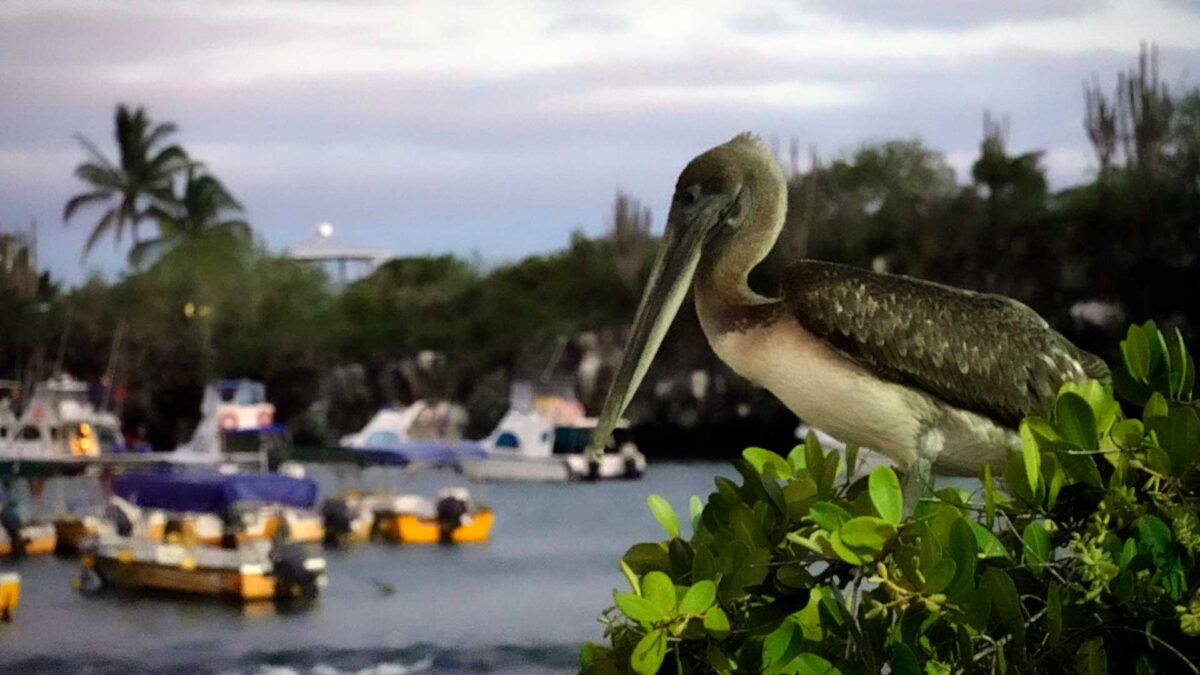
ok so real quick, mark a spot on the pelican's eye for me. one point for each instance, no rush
(689, 196)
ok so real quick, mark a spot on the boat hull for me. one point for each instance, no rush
(407, 528)
(220, 582)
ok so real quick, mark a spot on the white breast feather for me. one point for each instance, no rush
(832, 393)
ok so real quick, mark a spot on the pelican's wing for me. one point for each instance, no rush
(984, 353)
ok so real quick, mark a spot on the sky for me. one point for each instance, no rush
(495, 129)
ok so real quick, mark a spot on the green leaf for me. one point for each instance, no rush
(1005, 600)
(986, 541)
(716, 622)
(940, 575)
(1092, 659)
(698, 598)
(1054, 612)
(647, 557)
(638, 608)
(1179, 435)
(592, 653)
(631, 577)
(963, 551)
(989, 495)
(695, 509)
(1035, 546)
(1154, 539)
(904, 662)
(797, 458)
(1157, 406)
(828, 516)
(704, 566)
(1031, 455)
(664, 514)
(1135, 353)
(811, 664)
(718, 661)
(1076, 422)
(845, 552)
(780, 646)
(886, 496)
(649, 653)
(660, 590)
(866, 532)
(760, 459)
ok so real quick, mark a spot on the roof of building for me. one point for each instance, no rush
(322, 245)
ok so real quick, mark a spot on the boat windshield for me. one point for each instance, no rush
(243, 392)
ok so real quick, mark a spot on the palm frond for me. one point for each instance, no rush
(80, 200)
(94, 151)
(100, 176)
(159, 132)
(98, 232)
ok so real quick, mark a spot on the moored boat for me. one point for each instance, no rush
(541, 439)
(214, 508)
(32, 539)
(453, 519)
(252, 571)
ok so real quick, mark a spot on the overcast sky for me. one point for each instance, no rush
(498, 127)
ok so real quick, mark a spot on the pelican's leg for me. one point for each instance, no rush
(919, 477)
(917, 480)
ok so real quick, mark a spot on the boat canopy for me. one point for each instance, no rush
(213, 492)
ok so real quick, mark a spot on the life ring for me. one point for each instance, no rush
(265, 418)
(228, 421)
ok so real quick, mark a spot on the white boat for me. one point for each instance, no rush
(541, 438)
(59, 422)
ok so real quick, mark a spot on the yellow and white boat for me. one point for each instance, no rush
(10, 595)
(453, 519)
(35, 539)
(474, 529)
(255, 570)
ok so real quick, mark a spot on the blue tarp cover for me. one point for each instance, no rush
(437, 453)
(212, 491)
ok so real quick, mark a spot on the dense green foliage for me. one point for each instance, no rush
(1088, 559)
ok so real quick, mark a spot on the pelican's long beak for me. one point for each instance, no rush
(669, 282)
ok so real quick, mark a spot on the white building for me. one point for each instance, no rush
(344, 263)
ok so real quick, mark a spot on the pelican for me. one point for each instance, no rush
(934, 377)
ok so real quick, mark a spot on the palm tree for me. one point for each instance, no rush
(141, 180)
(197, 216)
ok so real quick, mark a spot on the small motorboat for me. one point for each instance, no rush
(454, 519)
(23, 540)
(256, 570)
(541, 439)
(10, 595)
(215, 508)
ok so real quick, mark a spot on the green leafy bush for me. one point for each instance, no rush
(1087, 561)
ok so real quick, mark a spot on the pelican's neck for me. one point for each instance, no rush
(722, 279)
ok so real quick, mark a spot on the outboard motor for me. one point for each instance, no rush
(117, 511)
(452, 506)
(339, 519)
(292, 578)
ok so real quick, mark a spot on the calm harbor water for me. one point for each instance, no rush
(522, 603)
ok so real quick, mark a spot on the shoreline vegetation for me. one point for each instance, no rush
(203, 298)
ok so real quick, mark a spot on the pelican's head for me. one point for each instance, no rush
(711, 203)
